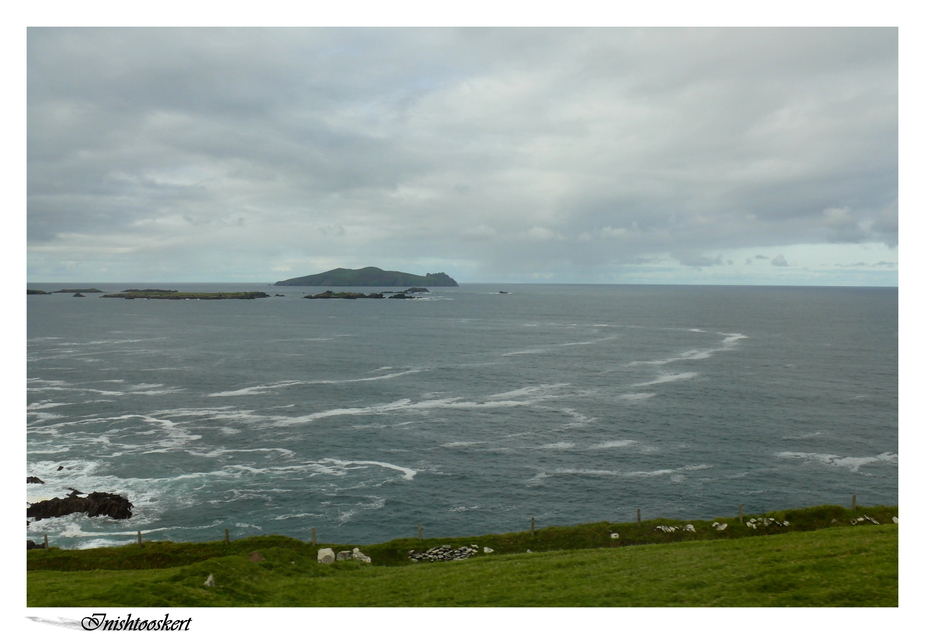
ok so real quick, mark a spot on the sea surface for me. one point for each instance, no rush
(466, 412)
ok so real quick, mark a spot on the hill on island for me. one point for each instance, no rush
(369, 276)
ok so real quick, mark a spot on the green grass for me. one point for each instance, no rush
(842, 565)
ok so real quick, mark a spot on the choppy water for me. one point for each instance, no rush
(467, 412)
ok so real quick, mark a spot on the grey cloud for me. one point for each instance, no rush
(779, 261)
(571, 151)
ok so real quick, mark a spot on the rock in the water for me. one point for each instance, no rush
(210, 582)
(326, 556)
(34, 480)
(115, 506)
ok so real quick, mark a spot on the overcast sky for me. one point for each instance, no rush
(602, 155)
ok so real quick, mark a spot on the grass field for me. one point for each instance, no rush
(811, 562)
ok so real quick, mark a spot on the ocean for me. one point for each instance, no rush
(467, 411)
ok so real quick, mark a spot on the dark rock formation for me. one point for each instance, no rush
(79, 295)
(148, 290)
(96, 503)
(79, 290)
(369, 276)
(155, 294)
(34, 480)
(30, 291)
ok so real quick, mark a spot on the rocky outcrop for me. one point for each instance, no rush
(156, 294)
(444, 553)
(34, 480)
(94, 504)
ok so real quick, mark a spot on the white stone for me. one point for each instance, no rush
(325, 556)
(361, 557)
(896, 520)
(210, 582)
(721, 527)
(615, 536)
(486, 549)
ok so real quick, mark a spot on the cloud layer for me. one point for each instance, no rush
(595, 155)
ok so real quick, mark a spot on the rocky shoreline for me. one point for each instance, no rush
(93, 504)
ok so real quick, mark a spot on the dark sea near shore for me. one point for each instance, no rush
(467, 411)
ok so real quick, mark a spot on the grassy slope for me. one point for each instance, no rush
(839, 566)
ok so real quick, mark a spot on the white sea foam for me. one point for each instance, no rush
(529, 351)
(558, 445)
(613, 473)
(498, 401)
(528, 391)
(610, 444)
(848, 462)
(255, 389)
(668, 378)
(729, 341)
(636, 396)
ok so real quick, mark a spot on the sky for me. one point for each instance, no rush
(557, 155)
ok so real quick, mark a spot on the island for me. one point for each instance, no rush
(78, 290)
(369, 276)
(350, 295)
(163, 294)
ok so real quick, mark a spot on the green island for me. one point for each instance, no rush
(818, 556)
(168, 294)
(369, 276)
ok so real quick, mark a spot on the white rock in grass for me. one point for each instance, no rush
(361, 557)
(325, 556)
(690, 528)
(896, 520)
(721, 527)
(210, 582)
(615, 536)
(486, 549)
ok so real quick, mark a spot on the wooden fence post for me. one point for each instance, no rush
(139, 539)
(532, 527)
(314, 540)
(46, 541)
(854, 502)
(638, 518)
(227, 540)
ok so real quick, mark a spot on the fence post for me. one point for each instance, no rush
(46, 541)
(532, 527)
(314, 541)
(638, 518)
(420, 533)
(139, 539)
(854, 502)
(227, 540)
